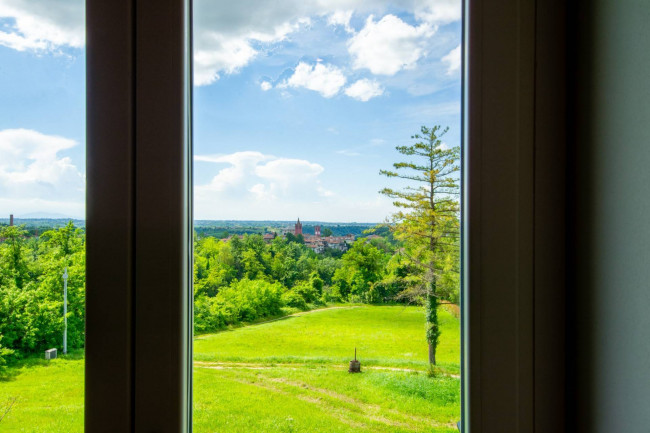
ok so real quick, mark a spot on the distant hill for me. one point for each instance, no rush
(224, 228)
(216, 228)
(44, 215)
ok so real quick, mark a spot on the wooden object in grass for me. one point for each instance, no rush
(355, 366)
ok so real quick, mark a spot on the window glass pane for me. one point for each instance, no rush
(42, 211)
(311, 119)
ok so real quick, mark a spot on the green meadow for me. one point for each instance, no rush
(285, 375)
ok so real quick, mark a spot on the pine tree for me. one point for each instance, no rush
(428, 217)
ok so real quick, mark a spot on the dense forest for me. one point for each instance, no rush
(242, 279)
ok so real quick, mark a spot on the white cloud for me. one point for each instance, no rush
(452, 59)
(266, 86)
(42, 25)
(227, 55)
(285, 171)
(241, 165)
(364, 90)
(341, 18)
(324, 79)
(33, 173)
(229, 35)
(389, 45)
(438, 11)
(251, 179)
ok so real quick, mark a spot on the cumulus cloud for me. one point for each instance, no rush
(452, 59)
(226, 55)
(229, 35)
(438, 11)
(253, 185)
(364, 90)
(324, 79)
(33, 173)
(341, 18)
(389, 45)
(42, 25)
(266, 86)
(284, 172)
(250, 179)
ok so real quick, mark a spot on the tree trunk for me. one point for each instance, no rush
(432, 354)
(433, 330)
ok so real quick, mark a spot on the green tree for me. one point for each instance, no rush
(428, 217)
(65, 240)
(326, 232)
(13, 261)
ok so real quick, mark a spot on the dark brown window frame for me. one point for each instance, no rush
(138, 346)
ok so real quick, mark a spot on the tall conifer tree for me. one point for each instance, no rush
(428, 216)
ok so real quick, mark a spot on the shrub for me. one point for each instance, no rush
(331, 294)
(4, 355)
(293, 299)
(306, 290)
(243, 301)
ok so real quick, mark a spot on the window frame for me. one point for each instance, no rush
(139, 222)
(139, 320)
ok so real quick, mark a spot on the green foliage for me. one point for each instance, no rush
(4, 355)
(31, 289)
(363, 266)
(14, 264)
(292, 298)
(236, 280)
(243, 301)
(306, 278)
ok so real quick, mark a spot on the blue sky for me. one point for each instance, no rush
(297, 107)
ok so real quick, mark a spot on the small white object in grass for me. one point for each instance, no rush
(50, 354)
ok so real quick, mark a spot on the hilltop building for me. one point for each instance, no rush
(318, 243)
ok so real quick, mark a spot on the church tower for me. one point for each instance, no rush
(317, 231)
(298, 230)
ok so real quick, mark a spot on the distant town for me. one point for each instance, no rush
(317, 241)
(318, 236)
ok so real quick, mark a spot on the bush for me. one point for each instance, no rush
(4, 355)
(293, 299)
(243, 301)
(307, 291)
(331, 294)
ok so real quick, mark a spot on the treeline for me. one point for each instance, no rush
(246, 279)
(239, 280)
(224, 229)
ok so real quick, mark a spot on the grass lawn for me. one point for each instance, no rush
(48, 396)
(288, 375)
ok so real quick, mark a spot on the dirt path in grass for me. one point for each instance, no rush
(297, 366)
